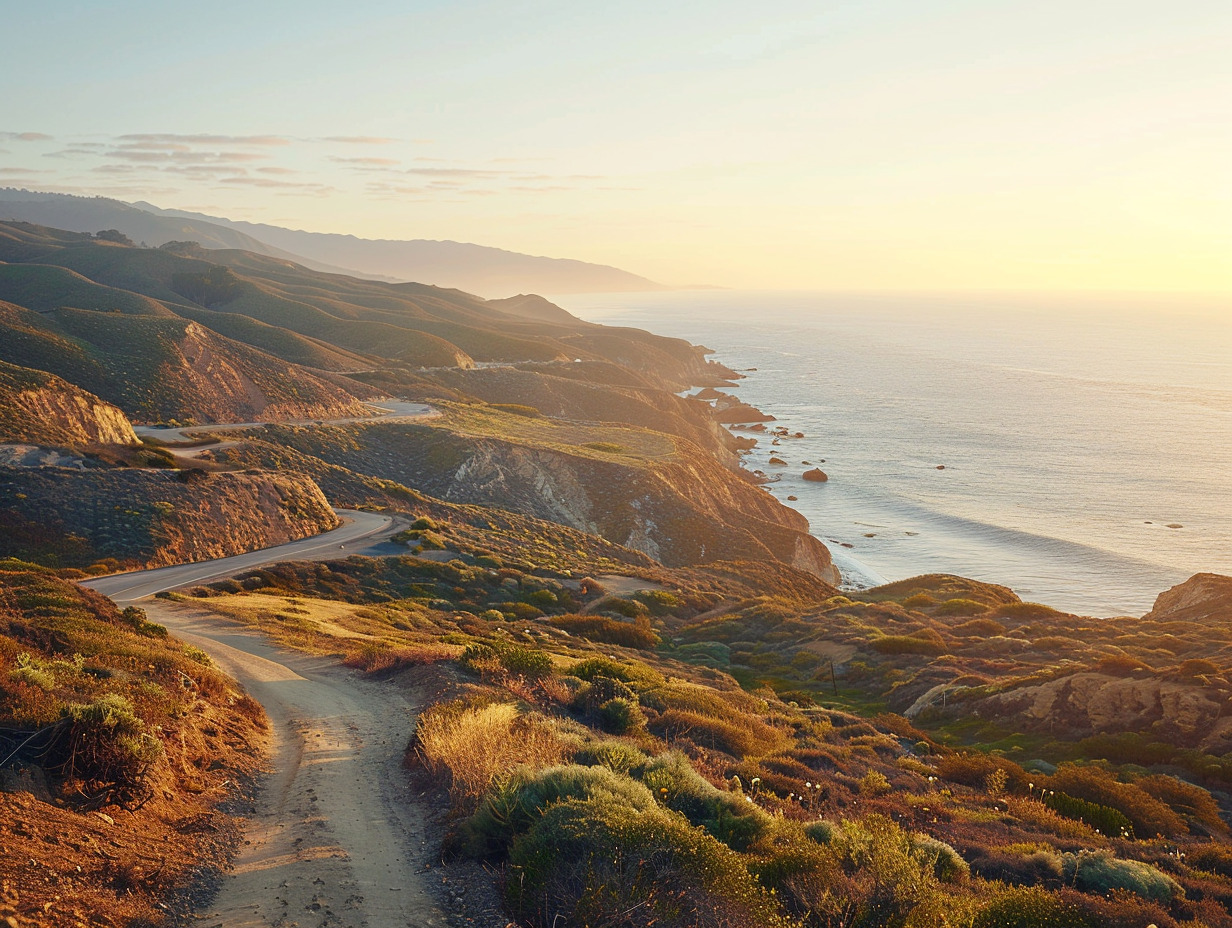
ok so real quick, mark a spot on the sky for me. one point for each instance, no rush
(871, 144)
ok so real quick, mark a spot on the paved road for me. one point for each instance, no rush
(359, 530)
(391, 410)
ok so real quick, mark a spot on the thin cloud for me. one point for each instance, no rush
(366, 162)
(15, 172)
(24, 137)
(271, 184)
(204, 139)
(456, 172)
(274, 170)
(185, 157)
(359, 139)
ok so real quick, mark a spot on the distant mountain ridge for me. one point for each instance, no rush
(486, 271)
(478, 269)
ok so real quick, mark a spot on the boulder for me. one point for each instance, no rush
(779, 461)
(817, 475)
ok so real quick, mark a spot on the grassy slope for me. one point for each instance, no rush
(186, 740)
(754, 766)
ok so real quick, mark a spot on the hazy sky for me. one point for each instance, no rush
(867, 144)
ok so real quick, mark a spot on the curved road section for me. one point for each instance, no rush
(358, 528)
(337, 838)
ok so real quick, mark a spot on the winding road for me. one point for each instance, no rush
(337, 839)
(358, 529)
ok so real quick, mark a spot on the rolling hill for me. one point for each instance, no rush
(493, 272)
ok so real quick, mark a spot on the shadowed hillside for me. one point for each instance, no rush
(492, 272)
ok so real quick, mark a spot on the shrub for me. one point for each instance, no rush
(1148, 815)
(961, 607)
(601, 667)
(1030, 869)
(897, 878)
(948, 864)
(730, 817)
(615, 755)
(483, 659)
(1185, 798)
(469, 747)
(1028, 908)
(905, 644)
(874, 783)
(103, 742)
(598, 862)
(629, 608)
(136, 618)
(739, 739)
(659, 602)
(979, 628)
(1100, 817)
(636, 634)
(1100, 872)
(1213, 858)
(599, 690)
(513, 806)
(973, 769)
(620, 716)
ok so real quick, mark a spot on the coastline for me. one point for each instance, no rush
(1044, 488)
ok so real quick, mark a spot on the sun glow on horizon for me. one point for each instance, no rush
(886, 145)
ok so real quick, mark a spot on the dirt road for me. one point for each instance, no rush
(338, 838)
(385, 411)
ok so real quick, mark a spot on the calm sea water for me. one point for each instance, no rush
(1086, 442)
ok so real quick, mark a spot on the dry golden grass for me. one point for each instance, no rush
(472, 747)
(590, 440)
(319, 626)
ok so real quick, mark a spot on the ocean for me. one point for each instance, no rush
(1077, 449)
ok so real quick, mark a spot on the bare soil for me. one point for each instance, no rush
(338, 837)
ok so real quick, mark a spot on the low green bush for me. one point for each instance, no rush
(1104, 819)
(600, 862)
(1100, 872)
(514, 806)
(730, 817)
(102, 743)
(905, 644)
(601, 667)
(615, 755)
(481, 658)
(1028, 907)
(659, 602)
(620, 716)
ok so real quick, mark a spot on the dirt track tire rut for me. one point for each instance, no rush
(337, 839)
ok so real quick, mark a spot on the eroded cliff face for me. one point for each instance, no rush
(682, 512)
(41, 409)
(143, 518)
(1082, 704)
(1202, 598)
(209, 378)
(65, 416)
